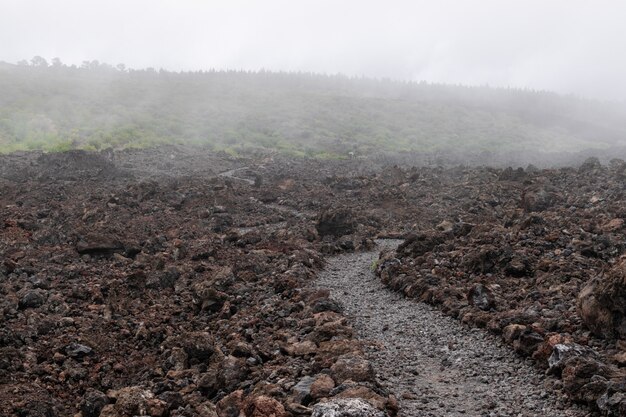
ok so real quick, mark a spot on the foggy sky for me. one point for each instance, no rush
(567, 46)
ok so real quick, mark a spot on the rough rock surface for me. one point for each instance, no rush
(352, 407)
(185, 274)
(602, 303)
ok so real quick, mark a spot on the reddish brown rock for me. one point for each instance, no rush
(602, 303)
(231, 405)
(354, 368)
(304, 348)
(322, 386)
(263, 407)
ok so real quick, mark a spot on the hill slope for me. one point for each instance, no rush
(97, 106)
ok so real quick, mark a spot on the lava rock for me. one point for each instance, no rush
(590, 164)
(602, 303)
(302, 390)
(335, 222)
(322, 386)
(420, 243)
(98, 244)
(304, 348)
(482, 297)
(263, 406)
(134, 401)
(353, 368)
(561, 353)
(326, 304)
(231, 405)
(348, 407)
(539, 199)
(33, 299)
(76, 350)
(93, 402)
(207, 298)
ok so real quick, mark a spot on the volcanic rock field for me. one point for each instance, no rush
(174, 281)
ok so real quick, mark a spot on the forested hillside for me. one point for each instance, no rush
(96, 106)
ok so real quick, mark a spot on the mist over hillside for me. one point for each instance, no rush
(98, 106)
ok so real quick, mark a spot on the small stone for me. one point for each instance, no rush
(76, 350)
(33, 299)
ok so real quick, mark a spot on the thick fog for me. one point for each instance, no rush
(565, 46)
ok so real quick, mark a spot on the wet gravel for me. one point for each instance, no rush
(434, 365)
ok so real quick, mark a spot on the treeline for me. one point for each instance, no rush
(53, 106)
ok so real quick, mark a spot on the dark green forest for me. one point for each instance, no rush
(52, 106)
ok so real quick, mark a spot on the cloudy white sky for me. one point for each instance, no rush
(569, 46)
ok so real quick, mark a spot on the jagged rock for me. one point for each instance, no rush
(613, 401)
(562, 353)
(263, 406)
(353, 368)
(364, 393)
(539, 199)
(93, 402)
(602, 303)
(94, 244)
(187, 270)
(207, 298)
(322, 386)
(173, 399)
(133, 401)
(326, 304)
(231, 405)
(336, 223)
(329, 330)
(330, 350)
(585, 378)
(221, 222)
(204, 409)
(33, 298)
(76, 350)
(35, 408)
(590, 164)
(198, 345)
(232, 371)
(349, 407)
(304, 348)
(518, 266)
(302, 390)
(509, 174)
(546, 349)
(527, 342)
(513, 332)
(420, 243)
(481, 297)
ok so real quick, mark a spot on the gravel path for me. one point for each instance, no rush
(434, 365)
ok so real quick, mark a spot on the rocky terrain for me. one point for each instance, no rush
(180, 282)
(435, 365)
